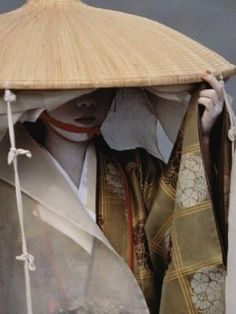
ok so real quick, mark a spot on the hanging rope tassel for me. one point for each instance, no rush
(27, 258)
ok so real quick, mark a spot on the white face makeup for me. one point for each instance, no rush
(87, 111)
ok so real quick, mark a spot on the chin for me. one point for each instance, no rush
(73, 137)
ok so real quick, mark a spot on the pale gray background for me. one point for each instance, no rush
(211, 22)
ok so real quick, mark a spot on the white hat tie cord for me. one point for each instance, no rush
(27, 258)
(14, 153)
(232, 133)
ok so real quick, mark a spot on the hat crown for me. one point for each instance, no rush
(50, 1)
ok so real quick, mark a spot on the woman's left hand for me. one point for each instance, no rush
(212, 99)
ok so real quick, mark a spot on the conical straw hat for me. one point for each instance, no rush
(65, 44)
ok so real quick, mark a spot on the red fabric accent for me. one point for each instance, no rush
(68, 127)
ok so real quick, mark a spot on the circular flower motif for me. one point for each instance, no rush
(114, 181)
(192, 187)
(207, 289)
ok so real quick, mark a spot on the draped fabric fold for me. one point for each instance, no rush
(127, 183)
(71, 253)
(177, 216)
(183, 230)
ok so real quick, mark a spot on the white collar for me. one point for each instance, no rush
(86, 192)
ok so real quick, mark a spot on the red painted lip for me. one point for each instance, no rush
(86, 119)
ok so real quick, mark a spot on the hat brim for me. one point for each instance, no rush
(69, 45)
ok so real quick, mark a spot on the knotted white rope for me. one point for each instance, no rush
(27, 258)
(13, 153)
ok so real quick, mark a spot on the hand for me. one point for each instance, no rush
(212, 99)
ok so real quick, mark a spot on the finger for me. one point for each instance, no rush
(214, 83)
(210, 107)
(207, 103)
(210, 93)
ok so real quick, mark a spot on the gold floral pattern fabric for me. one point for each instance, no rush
(192, 186)
(141, 247)
(166, 222)
(186, 214)
(207, 290)
(114, 181)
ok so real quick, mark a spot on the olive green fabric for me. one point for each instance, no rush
(174, 217)
(183, 230)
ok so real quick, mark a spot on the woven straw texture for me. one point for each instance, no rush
(65, 44)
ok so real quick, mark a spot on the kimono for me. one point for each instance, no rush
(179, 220)
(163, 221)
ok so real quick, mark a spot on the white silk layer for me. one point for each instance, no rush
(72, 255)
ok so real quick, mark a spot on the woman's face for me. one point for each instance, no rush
(86, 111)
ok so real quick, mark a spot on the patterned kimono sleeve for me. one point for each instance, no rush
(185, 227)
(161, 206)
(149, 173)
